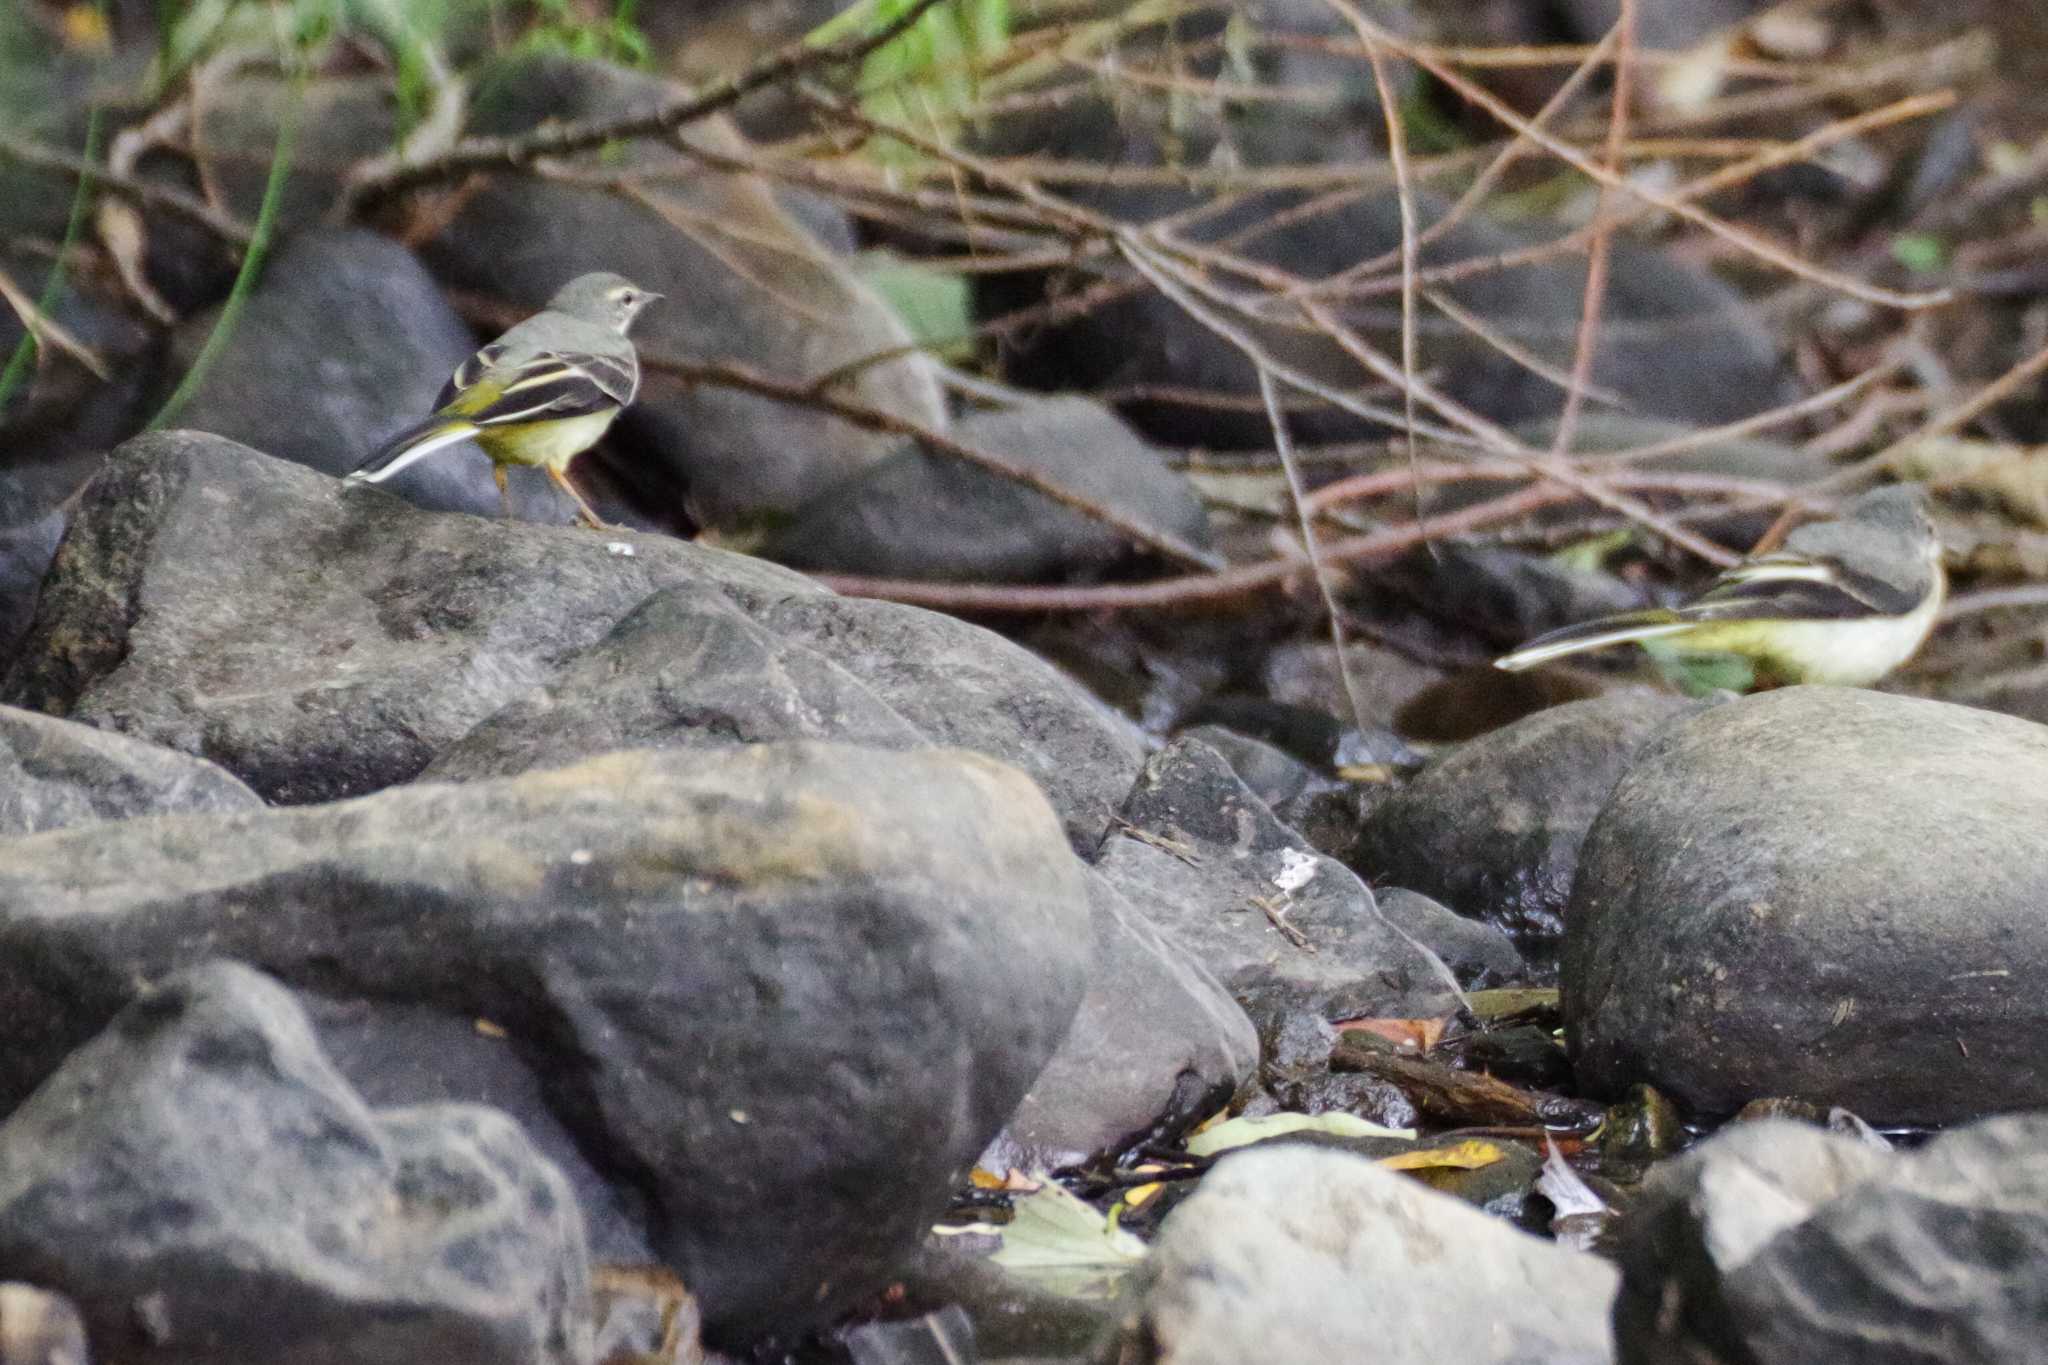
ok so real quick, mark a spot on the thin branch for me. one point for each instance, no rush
(1996, 599)
(46, 330)
(1483, 183)
(1941, 424)
(1563, 150)
(1283, 446)
(1586, 345)
(147, 192)
(1194, 589)
(730, 374)
(1185, 289)
(1381, 482)
(378, 180)
(1404, 200)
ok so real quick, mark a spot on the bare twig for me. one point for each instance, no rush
(380, 180)
(1283, 446)
(1941, 424)
(46, 330)
(800, 393)
(1996, 599)
(1192, 590)
(1404, 199)
(1563, 150)
(1586, 345)
(167, 197)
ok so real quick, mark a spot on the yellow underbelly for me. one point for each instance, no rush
(552, 444)
(1854, 653)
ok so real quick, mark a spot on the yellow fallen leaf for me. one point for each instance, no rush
(1139, 1194)
(1470, 1155)
(85, 29)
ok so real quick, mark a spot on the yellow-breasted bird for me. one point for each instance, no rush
(1844, 602)
(541, 394)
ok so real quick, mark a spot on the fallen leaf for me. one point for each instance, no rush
(1063, 1245)
(1470, 1155)
(1413, 1035)
(1239, 1132)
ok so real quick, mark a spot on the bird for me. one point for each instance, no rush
(1843, 602)
(541, 394)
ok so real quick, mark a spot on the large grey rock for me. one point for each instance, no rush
(207, 1188)
(1155, 1029)
(927, 514)
(1493, 828)
(317, 643)
(1290, 1253)
(742, 979)
(1204, 859)
(345, 341)
(1843, 1252)
(1821, 893)
(56, 772)
(745, 283)
(321, 643)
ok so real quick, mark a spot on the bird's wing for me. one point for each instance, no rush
(492, 387)
(1796, 587)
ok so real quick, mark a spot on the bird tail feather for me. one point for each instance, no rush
(1608, 630)
(413, 444)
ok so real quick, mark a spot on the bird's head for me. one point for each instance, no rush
(1897, 510)
(603, 297)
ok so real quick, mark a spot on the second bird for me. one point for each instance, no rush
(541, 394)
(1845, 602)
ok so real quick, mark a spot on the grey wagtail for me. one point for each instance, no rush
(1844, 602)
(541, 394)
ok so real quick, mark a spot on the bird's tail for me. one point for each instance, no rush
(413, 444)
(1608, 630)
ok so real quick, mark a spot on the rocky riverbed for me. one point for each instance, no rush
(431, 935)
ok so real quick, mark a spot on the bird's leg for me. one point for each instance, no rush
(504, 493)
(589, 518)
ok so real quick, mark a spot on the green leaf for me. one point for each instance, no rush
(1591, 555)
(1700, 674)
(1063, 1245)
(1240, 1132)
(1921, 252)
(936, 305)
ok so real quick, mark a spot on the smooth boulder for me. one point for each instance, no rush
(1821, 893)
(1493, 828)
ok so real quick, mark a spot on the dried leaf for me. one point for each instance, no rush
(1410, 1035)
